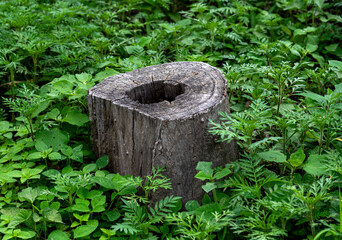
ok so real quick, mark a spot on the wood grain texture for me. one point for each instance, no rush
(171, 133)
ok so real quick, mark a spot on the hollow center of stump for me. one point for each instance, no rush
(156, 92)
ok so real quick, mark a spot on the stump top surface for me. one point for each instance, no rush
(203, 87)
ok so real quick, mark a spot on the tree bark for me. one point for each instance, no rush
(158, 116)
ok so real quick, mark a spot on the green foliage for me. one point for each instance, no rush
(282, 61)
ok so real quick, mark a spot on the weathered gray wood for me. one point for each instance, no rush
(158, 116)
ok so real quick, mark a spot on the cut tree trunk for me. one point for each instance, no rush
(158, 116)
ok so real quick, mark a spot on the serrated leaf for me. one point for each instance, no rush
(314, 165)
(29, 194)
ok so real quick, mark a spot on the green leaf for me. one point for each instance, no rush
(336, 64)
(86, 230)
(55, 138)
(89, 168)
(221, 174)
(297, 158)
(205, 167)
(209, 186)
(143, 41)
(104, 182)
(81, 205)
(22, 216)
(55, 156)
(206, 211)
(202, 176)
(192, 205)
(41, 146)
(314, 165)
(319, 3)
(102, 162)
(63, 86)
(35, 155)
(76, 118)
(98, 206)
(52, 215)
(273, 156)
(112, 215)
(298, 32)
(58, 235)
(26, 234)
(332, 47)
(311, 48)
(29, 194)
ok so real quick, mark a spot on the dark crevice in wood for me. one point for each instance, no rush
(156, 91)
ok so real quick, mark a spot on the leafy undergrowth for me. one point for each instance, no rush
(282, 60)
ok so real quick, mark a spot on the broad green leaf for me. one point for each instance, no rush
(104, 182)
(55, 138)
(205, 167)
(83, 77)
(86, 230)
(192, 205)
(206, 211)
(52, 215)
(55, 156)
(76, 118)
(112, 215)
(332, 47)
(221, 174)
(143, 41)
(29, 194)
(209, 186)
(98, 203)
(202, 176)
(298, 32)
(41, 146)
(311, 48)
(102, 162)
(314, 165)
(297, 158)
(81, 205)
(273, 156)
(35, 155)
(22, 216)
(26, 234)
(336, 64)
(89, 168)
(63, 86)
(58, 235)
(319, 3)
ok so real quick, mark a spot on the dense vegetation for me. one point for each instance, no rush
(282, 60)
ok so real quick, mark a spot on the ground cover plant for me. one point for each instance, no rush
(282, 60)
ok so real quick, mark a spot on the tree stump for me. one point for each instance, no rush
(158, 116)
